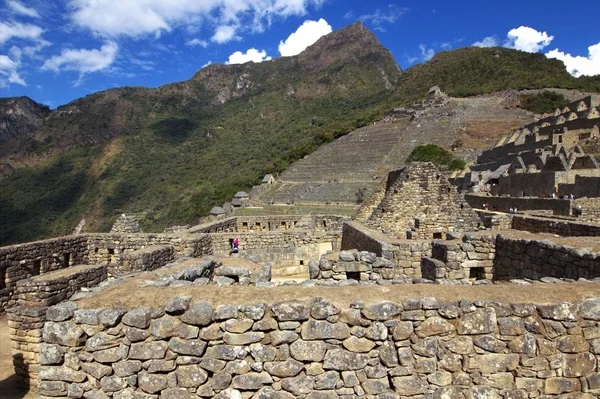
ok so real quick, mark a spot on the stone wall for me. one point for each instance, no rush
(503, 204)
(52, 288)
(353, 267)
(145, 259)
(495, 220)
(469, 259)
(26, 320)
(590, 208)
(406, 254)
(126, 224)
(18, 262)
(419, 202)
(289, 251)
(536, 259)
(566, 228)
(415, 349)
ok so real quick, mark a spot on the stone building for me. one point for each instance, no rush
(541, 158)
(126, 224)
(417, 201)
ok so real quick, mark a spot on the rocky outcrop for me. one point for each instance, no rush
(20, 117)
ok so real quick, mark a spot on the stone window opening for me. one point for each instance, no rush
(36, 267)
(437, 236)
(325, 223)
(66, 259)
(283, 226)
(353, 276)
(2, 279)
(477, 273)
(96, 249)
(301, 263)
(462, 206)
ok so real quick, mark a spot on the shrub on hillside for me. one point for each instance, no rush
(437, 155)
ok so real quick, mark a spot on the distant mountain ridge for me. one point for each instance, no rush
(175, 151)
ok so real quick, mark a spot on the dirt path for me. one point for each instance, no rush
(9, 388)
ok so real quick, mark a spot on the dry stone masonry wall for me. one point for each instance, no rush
(419, 202)
(149, 258)
(415, 349)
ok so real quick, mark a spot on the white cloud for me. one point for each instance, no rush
(490, 41)
(224, 34)
(9, 30)
(19, 8)
(578, 65)
(83, 60)
(209, 62)
(384, 16)
(527, 39)
(9, 72)
(197, 42)
(426, 53)
(140, 17)
(308, 33)
(252, 54)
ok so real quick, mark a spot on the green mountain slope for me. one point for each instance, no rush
(176, 151)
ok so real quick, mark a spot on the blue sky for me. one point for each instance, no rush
(57, 51)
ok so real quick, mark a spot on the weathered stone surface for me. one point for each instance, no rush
(165, 327)
(225, 352)
(112, 383)
(590, 309)
(321, 309)
(152, 383)
(376, 386)
(101, 341)
(494, 363)
(434, 326)
(388, 354)
(60, 312)
(148, 350)
(65, 333)
(139, 318)
(221, 380)
(263, 353)
(559, 385)
(382, 311)
(126, 368)
(409, 385)
(238, 325)
(50, 354)
(489, 343)
(287, 368)
(342, 360)
(327, 380)
(460, 345)
(61, 373)
(308, 351)
(111, 355)
(178, 305)
(244, 338)
(290, 311)
(96, 370)
(315, 329)
(299, 385)
(190, 376)
(578, 365)
(199, 314)
(176, 393)
(481, 321)
(270, 393)
(403, 330)
(193, 347)
(251, 381)
(565, 311)
(354, 344)
(111, 317)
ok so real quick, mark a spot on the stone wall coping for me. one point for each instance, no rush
(57, 275)
(127, 297)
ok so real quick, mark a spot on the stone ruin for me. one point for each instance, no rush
(126, 224)
(412, 299)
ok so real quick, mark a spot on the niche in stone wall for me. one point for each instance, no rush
(36, 267)
(353, 276)
(477, 273)
(437, 236)
(2, 279)
(66, 259)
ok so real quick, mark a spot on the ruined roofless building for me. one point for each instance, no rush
(417, 201)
